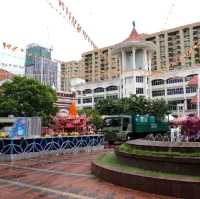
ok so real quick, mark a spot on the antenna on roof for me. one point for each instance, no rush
(133, 24)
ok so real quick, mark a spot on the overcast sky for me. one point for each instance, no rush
(106, 22)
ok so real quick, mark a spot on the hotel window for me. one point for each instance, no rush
(191, 90)
(111, 88)
(139, 79)
(87, 100)
(139, 91)
(87, 91)
(112, 97)
(79, 101)
(96, 99)
(174, 80)
(98, 90)
(175, 91)
(158, 93)
(157, 82)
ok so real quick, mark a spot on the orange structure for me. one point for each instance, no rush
(73, 110)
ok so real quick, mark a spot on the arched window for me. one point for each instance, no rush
(156, 82)
(174, 80)
(189, 77)
(111, 88)
(87, 91)
(98, 90)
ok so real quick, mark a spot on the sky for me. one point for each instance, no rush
(106, 22)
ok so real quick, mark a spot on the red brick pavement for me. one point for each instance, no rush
(60, 177)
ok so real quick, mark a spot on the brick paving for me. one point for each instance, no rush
(60, 177)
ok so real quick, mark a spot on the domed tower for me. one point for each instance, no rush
(135, 56)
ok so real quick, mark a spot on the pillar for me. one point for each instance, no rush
(123, 60)
(133, 53)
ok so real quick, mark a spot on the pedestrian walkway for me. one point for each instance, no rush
(60, 177)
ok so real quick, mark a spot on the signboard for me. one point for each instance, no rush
(19, 128)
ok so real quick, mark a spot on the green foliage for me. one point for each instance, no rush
(110, 159)
(96, 119)
(131, 149)
(106, 106)
(159, 108)
(133, 104)
(27, 97)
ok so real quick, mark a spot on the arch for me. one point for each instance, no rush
(157, 82)
(99, 90)
(87, 91)
(111, 88)
(173, 80)
(189, 77)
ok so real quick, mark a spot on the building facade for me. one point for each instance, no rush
(174, 88)
(70, 70)
(134, 57)
(136, 77)
(100, 65)
(39, 65)
(88, 94)
(173, 47)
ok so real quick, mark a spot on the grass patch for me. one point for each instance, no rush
(131, 149)
(110, 159)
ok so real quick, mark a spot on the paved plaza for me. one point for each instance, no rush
(60, 177)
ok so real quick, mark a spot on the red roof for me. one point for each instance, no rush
(194, 100)
(193, 81)
(5, 74)
(134, 36)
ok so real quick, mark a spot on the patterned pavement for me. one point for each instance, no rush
(60, 177)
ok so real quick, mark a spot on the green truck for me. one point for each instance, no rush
(126, 127)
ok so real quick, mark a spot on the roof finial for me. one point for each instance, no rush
(133, 24)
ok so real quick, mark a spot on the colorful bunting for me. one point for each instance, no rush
(73, 21)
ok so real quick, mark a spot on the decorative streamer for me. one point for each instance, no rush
(64, 12)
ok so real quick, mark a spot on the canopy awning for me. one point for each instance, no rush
(193, 81)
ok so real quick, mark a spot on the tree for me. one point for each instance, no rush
(133, 104)
(27, 97)
(159, 108)
(107, 107)
(139, 104)
(95, 117)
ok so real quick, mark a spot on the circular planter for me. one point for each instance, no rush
(187, 147)
(183, 188)
(178, 165)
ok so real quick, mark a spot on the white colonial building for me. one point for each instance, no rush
(136, 78)
(135, 60)
(174, 88)
(88, 94)
(135, 57)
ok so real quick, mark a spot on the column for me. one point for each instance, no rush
(165, 88)
(133, 52)
(158, 52)
(182, 47)
(166, 50)
(123, 60)
(184, 91)
(191, 44)
(145, 59)
(104, 93)
(124, 87)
